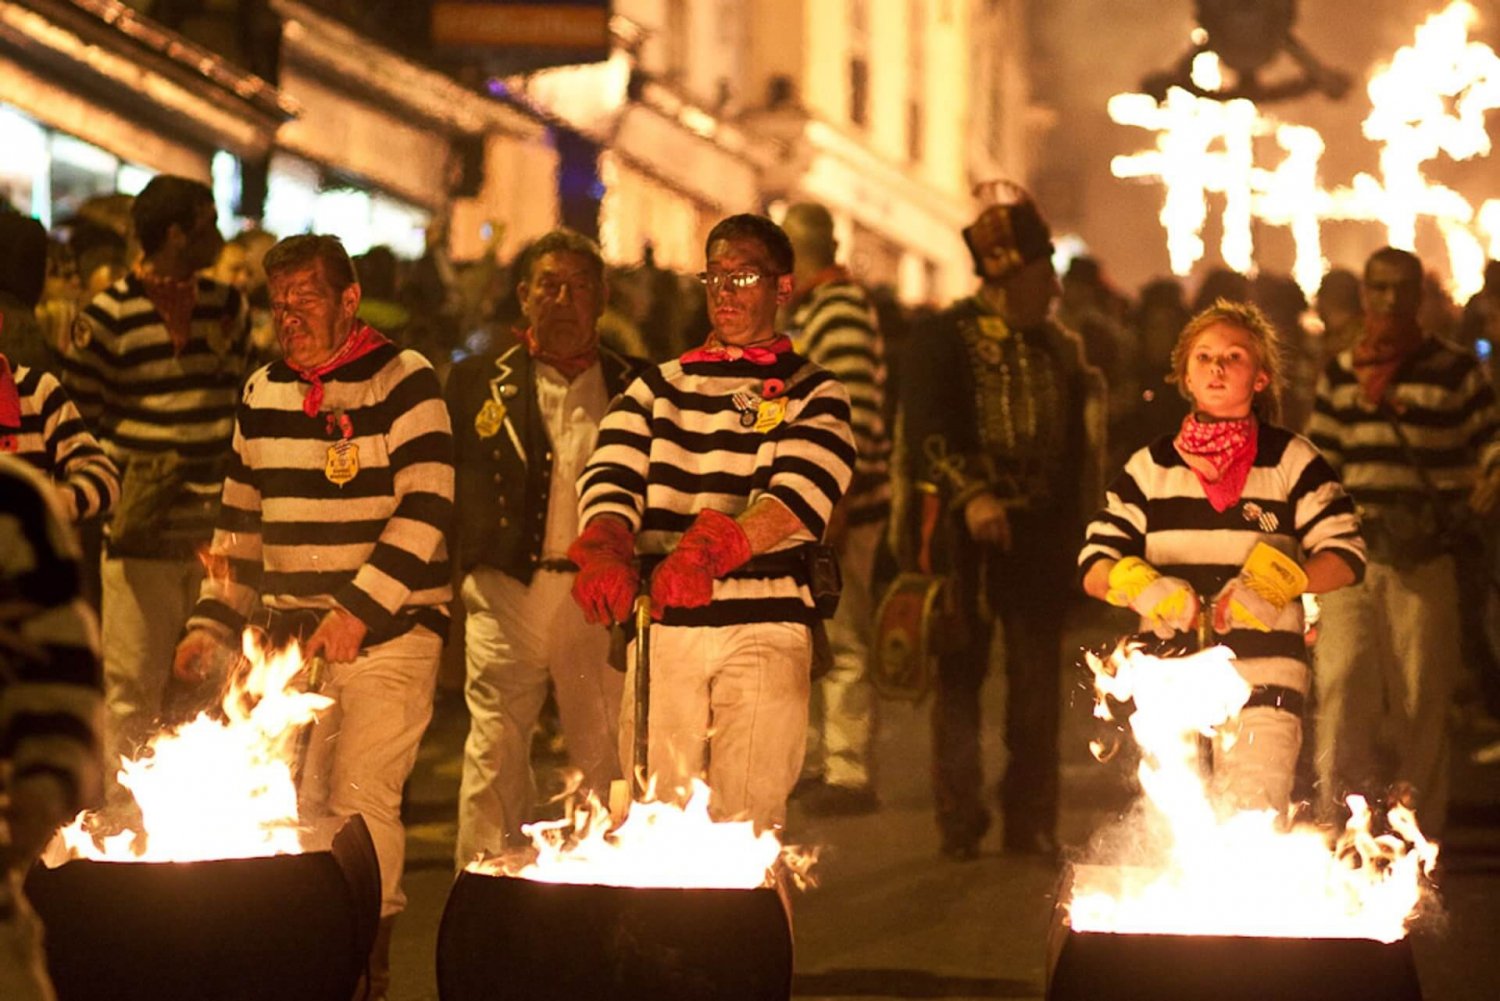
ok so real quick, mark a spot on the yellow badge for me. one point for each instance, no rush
(343, 462)
(769, 414)
(993, 327)
(491, 415)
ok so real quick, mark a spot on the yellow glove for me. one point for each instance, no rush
(1267, 582)
(1167, 605)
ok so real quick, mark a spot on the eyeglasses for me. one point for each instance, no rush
(734, 279)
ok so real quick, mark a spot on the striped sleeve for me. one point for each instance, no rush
(420, 449)
(840, 335)
(74, 456)
(814, 454)
(614, 479)
(1119, 529)
(51, 710)
(1323, 513)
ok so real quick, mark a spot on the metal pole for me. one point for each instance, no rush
(642, 694)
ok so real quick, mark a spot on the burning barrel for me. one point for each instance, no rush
(245, 929)
(1116, 966)
(510, 938)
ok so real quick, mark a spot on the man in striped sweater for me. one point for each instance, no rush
(155, 364)
(50, 707)
(834, 326)
(335, 515)
(720, 469)
(1412, 425)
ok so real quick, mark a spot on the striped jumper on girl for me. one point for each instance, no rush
(1232, 518)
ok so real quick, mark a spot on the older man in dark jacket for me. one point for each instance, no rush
(525, 417)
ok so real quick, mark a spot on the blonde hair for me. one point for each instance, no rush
(1247, 317)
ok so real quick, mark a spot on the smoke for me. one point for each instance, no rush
(1087, 51)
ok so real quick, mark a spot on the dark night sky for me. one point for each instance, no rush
(1087, 50)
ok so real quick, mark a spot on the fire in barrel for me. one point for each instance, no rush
(669, 904)
(1181, 899)
(206, 883)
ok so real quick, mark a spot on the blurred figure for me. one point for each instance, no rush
(1221, 283)
(155, 363)
(525, 417)
(50, 714)
(832, 324)
(1412, 425)
(1281, 300)
(239, 266)
(23, 272)
(1342, 312)
(62, 295)
(1004, 439)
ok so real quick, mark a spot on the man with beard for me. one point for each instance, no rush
(335, 516)
(1411, 424)
(525, 418)
(1004, 441)
(721, 468)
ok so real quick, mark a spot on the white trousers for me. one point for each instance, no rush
(144, 606)
(1255, 760)
(518, 640)
(363, 748)
(1388, 657)
(841, 713)
(729, 705)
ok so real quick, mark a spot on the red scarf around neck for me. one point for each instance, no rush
(1220, 454)
(10, 397)
(361, 342)
(571, 365)
(1375, 366)
(173, 299)
(764, 353)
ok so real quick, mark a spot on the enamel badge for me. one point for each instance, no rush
(769, 414)
(343, 462)
(487, 422)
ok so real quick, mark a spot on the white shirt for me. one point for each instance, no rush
(571, 412)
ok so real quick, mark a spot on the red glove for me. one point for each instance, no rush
(607, 580)
(711, 547)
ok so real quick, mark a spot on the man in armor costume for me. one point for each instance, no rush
(1003, 422)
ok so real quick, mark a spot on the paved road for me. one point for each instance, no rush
(892, 919)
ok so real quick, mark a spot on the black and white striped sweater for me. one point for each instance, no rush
(1157, 510)
(1446, 408)
(683, 438)
(55, 440)
(375, 544)
(51, 707)
(835, 328)
(143, 398)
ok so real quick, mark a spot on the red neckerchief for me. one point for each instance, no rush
(10, 397)
(1376, 371)
(764, 353)
(1220, 454)
(571, 366)
(173, 299)
(358, 344)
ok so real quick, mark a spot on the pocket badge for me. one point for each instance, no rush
(343, 462)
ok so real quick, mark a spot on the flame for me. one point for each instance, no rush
(214, 788)
(1430, 100)
(659, 844)
(1192, 871)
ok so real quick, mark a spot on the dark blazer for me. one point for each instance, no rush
(503, 479)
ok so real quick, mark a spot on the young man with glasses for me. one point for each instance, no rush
(713, 476)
